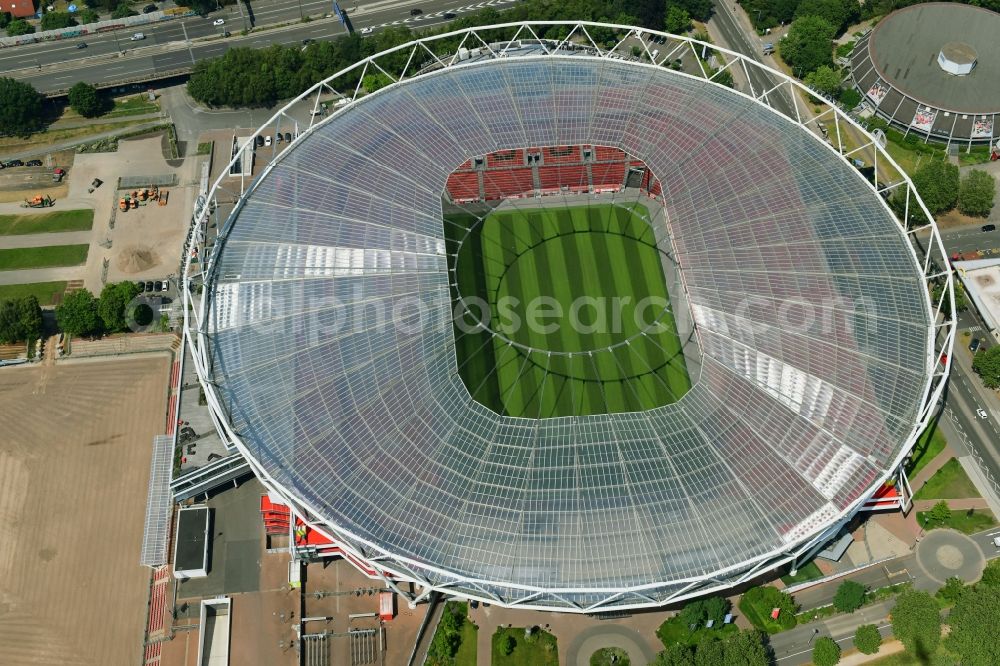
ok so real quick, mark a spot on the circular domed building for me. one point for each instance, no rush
(934, 69)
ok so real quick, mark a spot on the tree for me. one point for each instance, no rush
(19, 27)
(20, 108)
(746, 649)
(77, 314)
(710, 653)
(916, 622)
(867, 639)
(57, 20)
(508, 645)
(113, 304)
(700, 10)
(123, 10)
(678, 21)
(824, 80)
(975, 194)
(808, 45)
(89, 16)
(838, 13)
(991, 574)
(849, 597)
(826, 652)
(85, 100)
(850, 98)
(5, 19)
(953, 589)
(10, 323)
(987, 366)
(677, 654)
(939, 514)
(937, 183)
(30, 317)
(974, 621)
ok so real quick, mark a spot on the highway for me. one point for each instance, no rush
(112, 57)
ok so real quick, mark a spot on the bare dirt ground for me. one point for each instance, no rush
(75, 445)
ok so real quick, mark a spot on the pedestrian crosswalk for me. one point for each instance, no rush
(974, 329)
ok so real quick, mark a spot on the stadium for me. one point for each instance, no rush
(933, 69)
(352, 315)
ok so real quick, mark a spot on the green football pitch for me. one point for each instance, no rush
(574, 307)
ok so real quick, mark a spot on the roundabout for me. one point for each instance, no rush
(944, 553)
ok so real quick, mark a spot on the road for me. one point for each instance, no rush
(737, 39)
(112, 57)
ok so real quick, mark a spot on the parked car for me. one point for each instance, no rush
(149, 9)
(989, 227)
(267, 140)
(141, 286)
(158, 286)
(166, 285)
(33, 163)
(14, 163)
(278, 138)
(288, 137)
(137, 37)
(259, 140)
(149, 285)
(81, 45)
(975, 345)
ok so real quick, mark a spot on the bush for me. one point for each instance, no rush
(19, 27)
(867, 639)
(123, 11)
(826, 652)
(57, 20)
(89, 16)
(5, 19)
(975, 194)
(991, 574)
(849, 597)
(20, 320)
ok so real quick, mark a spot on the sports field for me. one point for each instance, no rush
(577, 316)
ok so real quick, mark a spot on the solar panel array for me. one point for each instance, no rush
(333, 349)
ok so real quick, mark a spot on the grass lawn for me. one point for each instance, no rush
(808, 572)
(535, 266)
(760, 618)
(43, 257)
(930, 443)
(610, 656)
(36, 141)
(539, 650)
(963, 521)
(672, 631)
(43, 291)
(949, 482)
(466, 654)
(45, 223)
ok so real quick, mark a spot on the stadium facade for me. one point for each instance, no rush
(822, 355)
(933, 69)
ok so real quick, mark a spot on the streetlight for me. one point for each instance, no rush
(815, 631)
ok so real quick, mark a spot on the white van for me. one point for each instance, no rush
(137, 37)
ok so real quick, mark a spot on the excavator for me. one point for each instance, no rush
(39, 201)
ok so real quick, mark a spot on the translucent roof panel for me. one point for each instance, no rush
(333, 352)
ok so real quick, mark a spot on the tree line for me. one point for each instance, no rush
(246, 77)
(81, 313)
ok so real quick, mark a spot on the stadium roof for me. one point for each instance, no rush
(898, 62)
(369, 426)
